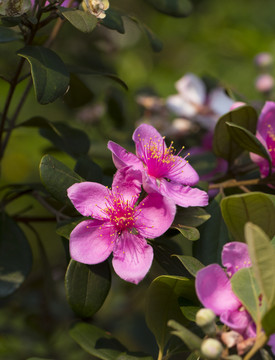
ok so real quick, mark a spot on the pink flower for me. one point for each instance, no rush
(163, 171)
(120, 224)
(64, 3)
(266, 135)
(214, 289)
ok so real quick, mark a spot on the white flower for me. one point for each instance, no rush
(96, 7)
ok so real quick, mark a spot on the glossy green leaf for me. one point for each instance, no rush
(188, 232)
(113, 21)
(248, 141)
(101, 344)
(192, 264)
(116, 108)
(255, 207)
(8, 35)
(80, 19)
(15, 256)
(50, 76)
(162, 304)
(223, 144)
(213, 235)
(190, 339)
(262, 255)
(192, 216)
(87, 287)
(175, 8)
(73, 141)
(57, 178)
(78, 94)
(245, 288)
(268, 321)
(88, 169)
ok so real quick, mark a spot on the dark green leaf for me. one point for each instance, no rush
(155, 42)
(213, 235)
(57, 178)
(73, 141)
(15, 256)
(8, 35)
(262, 255)
(176, 8)
(88, 170)
(65, 227)
(189, 312)
(80, 19)
(248, 141)
(116, 107)
(192, 264)
(162, 304)
(113, 21)
(10, 21)
(87, 287)
(50, 75)
(256, 207)
(79, 94)
(188, 232)
(223, 144)
(36, 121)
(101, 344)
(192, 216)
(189, 338)
(268, 322)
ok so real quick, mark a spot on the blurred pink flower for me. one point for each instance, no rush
(264, 83)
(266, 135)
(163, 171)
(193, 102)
(120, 224)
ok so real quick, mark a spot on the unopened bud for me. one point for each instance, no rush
(263, 59)
(264, 83)
(211, 349)
(205, 318)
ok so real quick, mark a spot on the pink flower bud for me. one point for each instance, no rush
(264, 83)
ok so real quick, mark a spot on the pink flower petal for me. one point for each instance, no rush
(122, 157)
(91, 241)
(271, 343)
(143, 135)
(235, 256)
(214, 290)
(88, 198)
(132, 257)
(182, 172)
(156, 215)
(267, 117)
(128, 183)
(238, 320)
(184, 196)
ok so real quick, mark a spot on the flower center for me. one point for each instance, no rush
(159, 159)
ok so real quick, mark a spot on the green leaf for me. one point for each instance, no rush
(87, 287)
(37, 122)
(8, 35)
(245, 288)
(10, 21)
(64, 228)
(155, 42)
(88, 170)
(255, 207)
(213, 235)
(73, 141)
(57, 178)
(101, 344)
(162, 304)
(223, 143)
(78, 94)
(50, 76)
(113, 21)
(190, 339)
(189, 232)
(80, 19)
(248, 141)
(268, 322)
(15, 256)
(192, 216)
(262, 255)
(192, 264)
(116, 107)
(175, 8)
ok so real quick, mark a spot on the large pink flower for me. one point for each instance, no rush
(266, 134)
(163, 171)
(120, 224)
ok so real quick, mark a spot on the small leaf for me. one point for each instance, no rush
(262, 255)
(248, 141)
(57, 178)
(188, 232)
(189, 338)
(175, 8)
(80, 19)
(50, 75)
(223, 144)
(162, 304)
(15, 256)
(113, 21)
(8, 35)
(192, 264)
(101, 344)
(255, 207)
(87, 287)
(192, 216)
